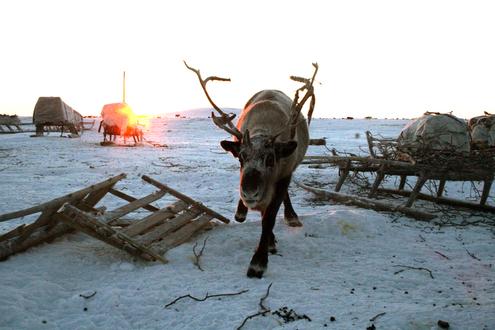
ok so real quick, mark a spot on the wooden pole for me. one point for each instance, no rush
(129, 198)
(441, 187)
(402, 183)
(123, 89)
(367, 203)
(486, 191)
(441, 200)
(417, 189)
(380, 175)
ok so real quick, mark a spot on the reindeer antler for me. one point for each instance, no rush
(225, 121)
(297, 106)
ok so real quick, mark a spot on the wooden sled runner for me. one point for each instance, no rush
(148, 238)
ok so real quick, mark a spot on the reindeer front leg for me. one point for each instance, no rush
(259, 261)
(241, 212)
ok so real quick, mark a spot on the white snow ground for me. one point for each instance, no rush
(341, 264)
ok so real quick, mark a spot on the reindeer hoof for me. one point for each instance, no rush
(240, 217)
(255, 271)
(293, 222)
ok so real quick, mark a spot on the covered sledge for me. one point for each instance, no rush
(51, 113)
(482, 129)
(8, 121)
(118, 119)
(435, 132)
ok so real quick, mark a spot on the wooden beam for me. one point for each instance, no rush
(104, 232)
(185, 198)
(367, 203)
(40, 235)
(62, 200)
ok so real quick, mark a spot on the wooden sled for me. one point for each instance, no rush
(148, 238)
(386, 160)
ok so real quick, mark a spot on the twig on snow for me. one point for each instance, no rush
(472, 255)
(409, 267)
(377, 316)
(206, 297)
(197, 255)
(87, 296)
(442, 255)
(263, 309)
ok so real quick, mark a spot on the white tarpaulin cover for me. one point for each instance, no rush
(54, 111)
(437, 132)
(482, 131)
(118, 114)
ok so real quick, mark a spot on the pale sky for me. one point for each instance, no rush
(377, 58)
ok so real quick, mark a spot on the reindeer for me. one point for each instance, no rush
(270, 140)
(110, 130)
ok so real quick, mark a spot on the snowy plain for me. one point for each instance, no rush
(341, 269)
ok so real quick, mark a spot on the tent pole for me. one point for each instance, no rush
(123, 93)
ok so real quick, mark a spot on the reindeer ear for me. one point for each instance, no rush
(285, 149)
(231, 146)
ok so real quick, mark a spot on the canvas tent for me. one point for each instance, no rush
(119, 115)
(52, 111)
(435, 132)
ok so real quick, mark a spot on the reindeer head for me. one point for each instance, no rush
(260, 158)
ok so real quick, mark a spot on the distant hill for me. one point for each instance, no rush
(203, 112)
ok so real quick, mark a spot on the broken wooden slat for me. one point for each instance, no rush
(367, 203)
(185, 198)
(132, 206)
(128, 198)
(155, 219)
(169, 226)
(102, 231)
(182, 235)
(61, 200)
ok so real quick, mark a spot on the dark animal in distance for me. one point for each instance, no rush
(271, 139)
(113, 131)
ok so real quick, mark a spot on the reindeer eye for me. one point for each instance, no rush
(270, 160)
